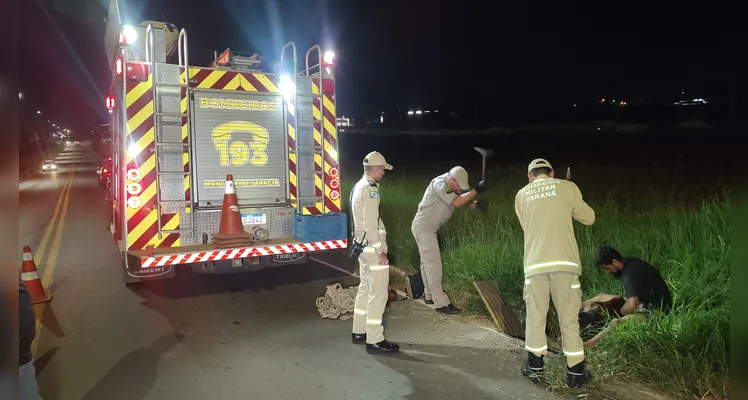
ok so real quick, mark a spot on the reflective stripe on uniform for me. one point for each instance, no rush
(371, 321)
(536, 349)
(576, 286)
(551, 264)
(378, 267)
(369, 249)
(573, 353)
(359, 311)
(377, 245)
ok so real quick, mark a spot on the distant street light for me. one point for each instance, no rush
(20, 95)
(38, 112)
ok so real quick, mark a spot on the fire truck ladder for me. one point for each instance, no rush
(183, 63)
(310, 150)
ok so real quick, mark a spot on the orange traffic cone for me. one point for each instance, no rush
(31, 278)
(231, 232)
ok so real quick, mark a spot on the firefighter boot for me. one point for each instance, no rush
(449, 309)
(577, 375)
(358, 338)
(382, 347)
(534, 368)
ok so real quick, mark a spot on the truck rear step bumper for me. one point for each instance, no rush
(204, 253)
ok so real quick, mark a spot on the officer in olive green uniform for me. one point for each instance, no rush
(374, 272)
(545, 209)
(443, 194)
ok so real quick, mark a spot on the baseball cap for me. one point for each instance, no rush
(376, 159)
(538, 163)
(461, 176)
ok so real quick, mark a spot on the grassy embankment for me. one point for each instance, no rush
(681, 231)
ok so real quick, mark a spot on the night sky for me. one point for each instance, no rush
(401, 54)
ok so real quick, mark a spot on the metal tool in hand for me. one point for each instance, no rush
(485, 153)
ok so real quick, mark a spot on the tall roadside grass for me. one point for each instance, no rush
(672, 223)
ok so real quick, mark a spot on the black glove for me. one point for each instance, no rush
(481, 187)
(481, 205)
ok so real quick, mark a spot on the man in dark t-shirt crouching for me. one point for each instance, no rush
(645, 291)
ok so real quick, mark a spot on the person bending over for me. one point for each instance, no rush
(645, 291)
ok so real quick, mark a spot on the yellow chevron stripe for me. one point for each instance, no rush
(328, 104)
(139, 230)
(139, 117)
(237, 81)
(291, 109)
(269, 85)
(139, 146)
(170, 225)
(246, 85)
(317, 137)
(292, 178)
(315, 112)
(330, 128)
(211, 79)
(315, 88)
(147, 166)
(186, 161)
(318, 161)
(329, 150)
(137, 92)
(185, 129)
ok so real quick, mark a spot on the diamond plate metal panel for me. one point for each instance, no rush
(304, 85)
(279, 223)
(172, 187)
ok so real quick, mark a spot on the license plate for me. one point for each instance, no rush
(253, 219)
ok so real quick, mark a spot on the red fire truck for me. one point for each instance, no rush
(178, 130)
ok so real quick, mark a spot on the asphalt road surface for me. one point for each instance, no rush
(247, 336)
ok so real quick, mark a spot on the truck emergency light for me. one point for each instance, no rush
(134, 202)
(118, 66)
(128, 35)
(110, 102)
(286, 87)
(133, 174)
(134, 188)
(328, 59)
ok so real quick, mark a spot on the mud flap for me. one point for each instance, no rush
(134, 274)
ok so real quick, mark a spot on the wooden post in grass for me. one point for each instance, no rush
(503, 316)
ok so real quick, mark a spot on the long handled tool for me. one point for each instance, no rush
(568, 173)
(485, 153)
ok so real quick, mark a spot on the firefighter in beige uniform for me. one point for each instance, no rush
(545, 208)
(373, 291)
(443, 194)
